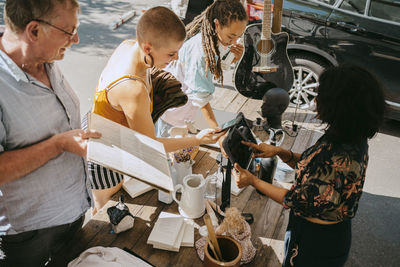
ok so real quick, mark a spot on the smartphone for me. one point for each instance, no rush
(229, 124)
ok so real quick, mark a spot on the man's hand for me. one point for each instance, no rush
(243, 177)
(75, 141)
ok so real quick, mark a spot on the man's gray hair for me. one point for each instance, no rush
(18, 13)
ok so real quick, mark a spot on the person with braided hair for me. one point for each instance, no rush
(218, 27)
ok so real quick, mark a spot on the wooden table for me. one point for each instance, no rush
(270, 218)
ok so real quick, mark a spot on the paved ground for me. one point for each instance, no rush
(376, 228)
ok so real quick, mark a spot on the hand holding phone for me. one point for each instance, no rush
(229, 124)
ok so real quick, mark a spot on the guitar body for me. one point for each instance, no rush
(254, 84)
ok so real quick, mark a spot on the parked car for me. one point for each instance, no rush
(325, 33)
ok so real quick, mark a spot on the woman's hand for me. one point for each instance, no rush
(209, 136)
(243, 177)
(220, 141)
(237, 50)
(262, 150)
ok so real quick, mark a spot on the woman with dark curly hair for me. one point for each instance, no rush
(330, 174)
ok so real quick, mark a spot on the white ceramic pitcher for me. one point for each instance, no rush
(192, 203)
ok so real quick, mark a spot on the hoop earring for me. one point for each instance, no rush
(151, 58)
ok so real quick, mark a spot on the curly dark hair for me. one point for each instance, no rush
(351, 101)
(225, 11)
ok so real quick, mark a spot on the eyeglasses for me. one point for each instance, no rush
(71, 34)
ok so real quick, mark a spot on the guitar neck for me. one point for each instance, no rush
(266, 23)
(277, 20)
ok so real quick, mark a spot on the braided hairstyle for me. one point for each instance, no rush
(225, 11)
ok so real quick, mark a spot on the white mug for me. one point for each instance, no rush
(192, 203)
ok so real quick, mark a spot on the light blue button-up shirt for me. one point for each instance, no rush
(190, 70)
(193, 58)
(58, 192)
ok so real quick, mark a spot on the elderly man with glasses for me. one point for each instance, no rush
(43, 187)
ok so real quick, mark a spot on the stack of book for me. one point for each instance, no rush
(135, 187)
(172, 231)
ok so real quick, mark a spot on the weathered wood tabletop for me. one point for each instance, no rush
(270, 218)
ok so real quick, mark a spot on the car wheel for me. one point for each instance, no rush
(306, 69)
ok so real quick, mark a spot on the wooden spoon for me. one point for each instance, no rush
(211, 235)
(212, 249)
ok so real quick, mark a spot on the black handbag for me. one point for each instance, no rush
(120, 217)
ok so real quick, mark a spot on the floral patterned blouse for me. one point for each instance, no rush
(329, 181)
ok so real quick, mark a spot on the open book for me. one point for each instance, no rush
(129, 152)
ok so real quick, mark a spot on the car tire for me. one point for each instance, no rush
(306, 69)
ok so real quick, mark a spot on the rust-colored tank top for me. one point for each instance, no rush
(103, 107)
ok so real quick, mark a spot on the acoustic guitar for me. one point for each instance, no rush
(265, 63)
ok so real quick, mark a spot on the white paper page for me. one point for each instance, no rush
(178, 241)
(135, 187)
(188, 235)
(129, 153)
(165, 231)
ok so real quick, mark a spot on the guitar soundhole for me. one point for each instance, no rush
(264, 47)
